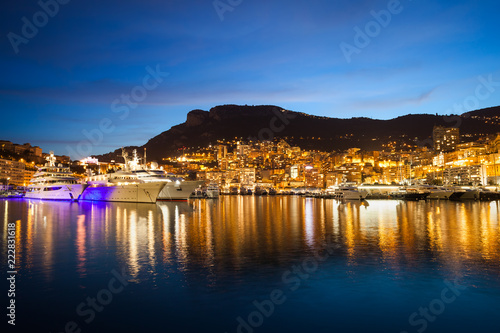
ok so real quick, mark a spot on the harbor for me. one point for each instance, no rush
(215, 259)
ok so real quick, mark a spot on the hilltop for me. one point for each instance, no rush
(227, 122)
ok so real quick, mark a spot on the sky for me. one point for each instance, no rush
(87, 77)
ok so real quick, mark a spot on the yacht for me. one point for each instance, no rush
(466, 194)
(260, 190)
(174, 187)
(413, 193)
(123, 186)
(438, 192)
(212, 191)
(347, 191)
(54, 182)
(120, 186)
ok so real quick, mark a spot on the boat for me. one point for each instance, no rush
(198, 194)
(413, 193)
(260, 191)
(212, 191)
(346, 191)
(474, 194)
(123, 192)
(120, 186)
(313, 193)
(174, 187)
(438, 192)
(233, 190)
(245, 190)
(54, 182)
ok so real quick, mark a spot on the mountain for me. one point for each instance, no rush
(202, 128)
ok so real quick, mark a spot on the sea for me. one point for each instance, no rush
(249, 264)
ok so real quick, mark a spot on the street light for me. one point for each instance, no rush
(8, 178)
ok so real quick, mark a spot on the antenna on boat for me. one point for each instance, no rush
(145, 163)
(51, 159)
(125, 158)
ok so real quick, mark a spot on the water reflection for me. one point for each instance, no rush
(225, 236)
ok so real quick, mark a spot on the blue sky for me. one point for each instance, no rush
(63, 81)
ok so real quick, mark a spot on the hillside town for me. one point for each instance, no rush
(276, 164)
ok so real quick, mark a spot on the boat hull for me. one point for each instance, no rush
(439, 195)
(212, 194)
(354, 195)
(470, 195)
(141, 193)
(56, 192)
(178, 190)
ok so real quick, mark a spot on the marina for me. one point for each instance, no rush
(215, 259)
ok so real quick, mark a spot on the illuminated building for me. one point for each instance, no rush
(445, 138)
(295, 171)
(247, 176)
(466, 175)
(13, 171)
(312, 177)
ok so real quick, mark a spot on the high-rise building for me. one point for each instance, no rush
(247, 176)
(221, 152)
(312, 177)
(12, 171)
(445, 138)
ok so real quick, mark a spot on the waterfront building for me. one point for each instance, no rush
(312, 177)
(466, 175)
(12, 171)
(28, 174)
(247, 176)
(445, 138)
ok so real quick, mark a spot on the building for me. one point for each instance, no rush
(466, 175)
(6, 146)
(12, 171)
(445, 138)
(247, 176)
(28, 175)
(295, 171)
(312, 177)
(221, 152)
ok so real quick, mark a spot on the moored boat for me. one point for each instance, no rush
(54, 182)
(346, 191)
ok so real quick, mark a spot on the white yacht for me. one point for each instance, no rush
(123, 186)
(439, 192)
(347, 191)
(120, 186)
(173, 188)
(54, 182)
(212, 191)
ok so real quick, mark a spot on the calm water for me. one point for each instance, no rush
(255, 264)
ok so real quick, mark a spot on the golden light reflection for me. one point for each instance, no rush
(133, 258)
(233, 232)
(81, 251)
(151, 240)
